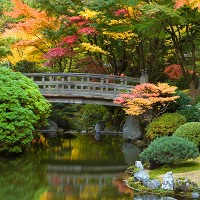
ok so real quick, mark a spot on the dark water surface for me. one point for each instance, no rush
(70, 169)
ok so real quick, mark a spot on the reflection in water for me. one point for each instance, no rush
(22, 178)
(130, 152)
(69, 169)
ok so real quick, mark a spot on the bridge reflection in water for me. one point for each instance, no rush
(92, 185)
(84, 88)
(88, 173)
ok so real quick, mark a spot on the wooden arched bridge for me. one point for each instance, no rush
(84, 88)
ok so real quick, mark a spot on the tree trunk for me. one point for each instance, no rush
(192, 90)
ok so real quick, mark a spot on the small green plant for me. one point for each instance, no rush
(165, 125)
(132, 169)
(191, 113)
(169, 150)
(22, 109)
(190, 131)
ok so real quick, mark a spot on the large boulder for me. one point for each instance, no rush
(153, 184)
(141, 176)
(132, 128)
(50, 131)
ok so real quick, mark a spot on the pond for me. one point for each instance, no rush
(80, 168)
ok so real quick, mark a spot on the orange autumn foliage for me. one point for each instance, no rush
(147, 99)
(27, 31)
(174, 71)
(191, 3)
(32, 20)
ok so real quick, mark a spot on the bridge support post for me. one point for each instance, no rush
(144, 77)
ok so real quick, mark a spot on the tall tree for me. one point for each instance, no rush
(29, 31)
(182, 34)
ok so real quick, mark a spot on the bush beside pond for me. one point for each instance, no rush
(190, 131)
(168, 150)
(191, 113)
(22, 109)
(164, 125)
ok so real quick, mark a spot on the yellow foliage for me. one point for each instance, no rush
(23, 53)
(126, 35)
(119, 21)
(89, 14)
(166, 89)
(93, 48)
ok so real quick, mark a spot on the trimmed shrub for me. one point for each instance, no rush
(168, 150)
(165, 125)
(191, 113)
(22, 109)
(190, 131)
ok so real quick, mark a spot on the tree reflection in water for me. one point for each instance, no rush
(22, 179)
(80, 168)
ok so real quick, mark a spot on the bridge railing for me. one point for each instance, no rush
(81, 82)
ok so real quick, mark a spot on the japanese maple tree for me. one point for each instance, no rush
(29, 31)
(150, 99)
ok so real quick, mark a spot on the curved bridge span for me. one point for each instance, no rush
(83, 88)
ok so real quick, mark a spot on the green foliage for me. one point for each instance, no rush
(190, 131)
(176, 168)
(164, 125)
(22, 109)
(90, 115)
(198, 105)
(197, 99)
(169, 150)
(180, 103)
(26, 66)
(191, 113)
(63, 115)
(116, 118)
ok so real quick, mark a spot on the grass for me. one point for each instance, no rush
(189, 169)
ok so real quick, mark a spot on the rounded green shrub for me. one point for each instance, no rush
(191, 113)
(22, 109)
(168, 150)
(164, 125)
(190, 131)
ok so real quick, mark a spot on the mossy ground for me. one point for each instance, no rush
(189, 169)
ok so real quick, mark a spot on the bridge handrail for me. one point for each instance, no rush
(86, 75)
(76, 87)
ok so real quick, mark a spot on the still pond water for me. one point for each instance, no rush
(70, 169)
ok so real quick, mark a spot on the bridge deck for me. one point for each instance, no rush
(83, 88)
